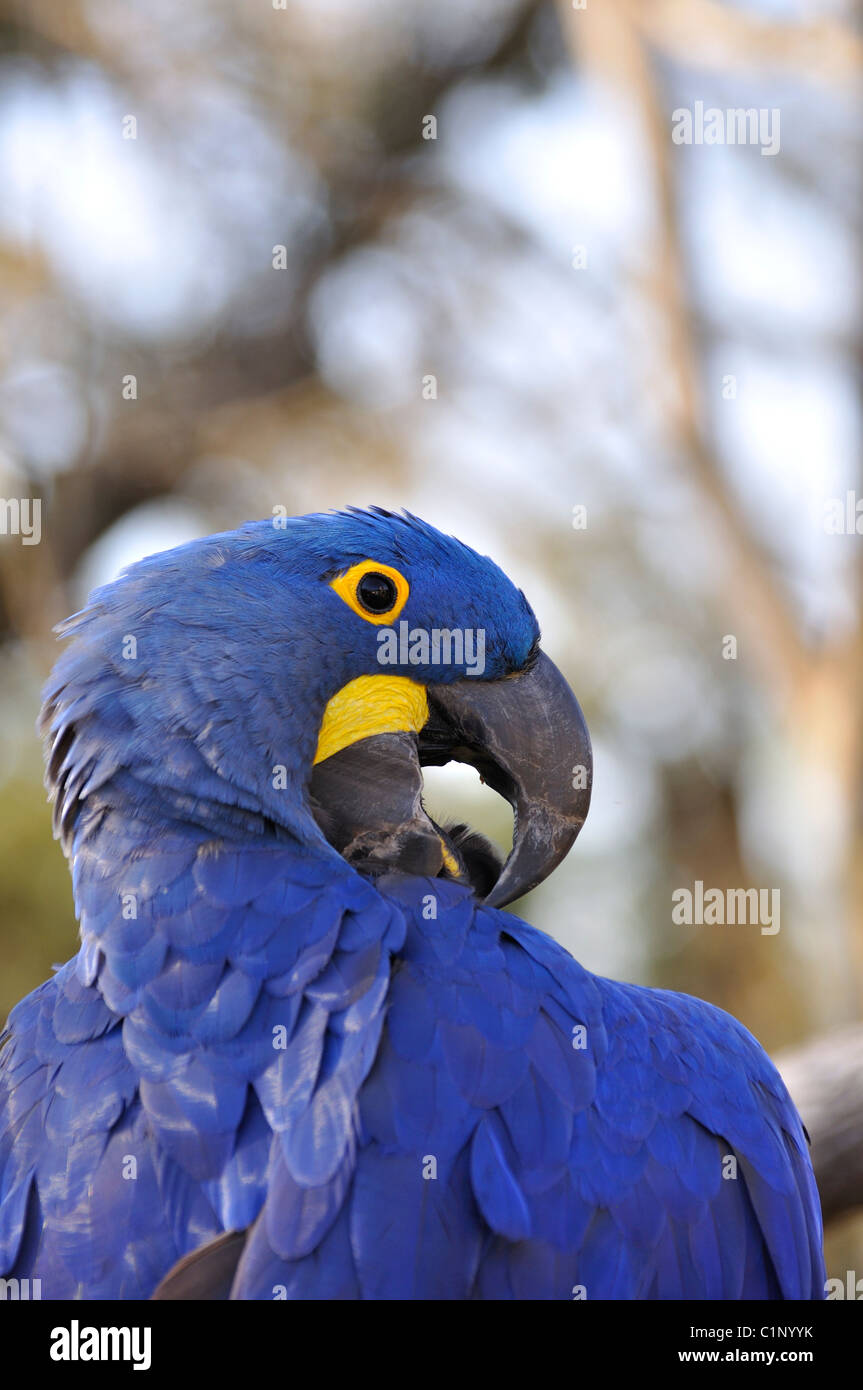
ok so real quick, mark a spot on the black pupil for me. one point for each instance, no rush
(376, 592)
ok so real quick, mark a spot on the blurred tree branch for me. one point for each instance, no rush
(815, 694)
(608, 43)
(722, 38)
(825, 1078)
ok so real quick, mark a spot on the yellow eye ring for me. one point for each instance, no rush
(347, 586)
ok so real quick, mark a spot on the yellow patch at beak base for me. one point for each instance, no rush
(371, 705)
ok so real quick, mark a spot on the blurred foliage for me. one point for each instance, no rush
(35, 895)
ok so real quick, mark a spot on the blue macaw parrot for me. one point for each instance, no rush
(302, 1051)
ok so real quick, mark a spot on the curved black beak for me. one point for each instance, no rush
(527, 737)
(367, 799)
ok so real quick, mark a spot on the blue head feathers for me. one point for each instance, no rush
(200, 670)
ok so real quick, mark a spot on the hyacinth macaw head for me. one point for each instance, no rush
(292, 677)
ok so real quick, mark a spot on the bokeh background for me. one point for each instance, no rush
(447, 256)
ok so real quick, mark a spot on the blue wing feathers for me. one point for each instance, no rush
(396, 1107)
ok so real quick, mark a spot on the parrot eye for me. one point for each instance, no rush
(376, 592)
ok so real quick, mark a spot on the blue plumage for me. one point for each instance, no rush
(402, 1091)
